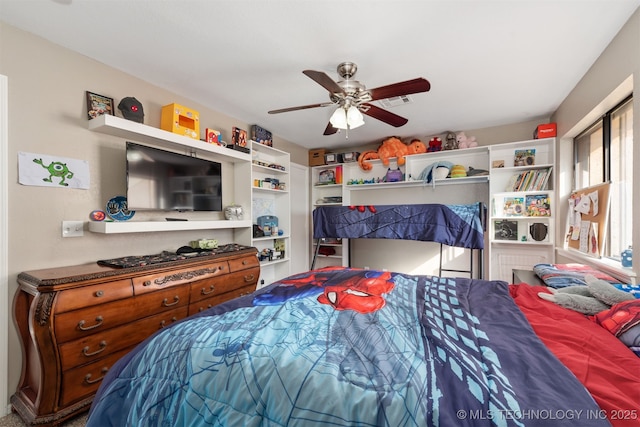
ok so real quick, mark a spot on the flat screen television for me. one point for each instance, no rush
(163, 180)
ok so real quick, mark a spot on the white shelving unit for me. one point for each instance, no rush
(326, 191)
(272, 199)
(132, 131)
(358, 183)
(513, 243)
(411, 190)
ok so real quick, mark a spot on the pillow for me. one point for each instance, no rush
(620, 318)
(561, 275)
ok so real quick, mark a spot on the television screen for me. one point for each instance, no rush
(163, 180)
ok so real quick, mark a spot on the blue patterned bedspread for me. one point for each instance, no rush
(453, 225)
(348, 347)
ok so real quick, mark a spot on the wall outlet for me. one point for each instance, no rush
(72, 228)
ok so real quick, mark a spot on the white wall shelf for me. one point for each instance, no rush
(271, 201)
(138, 132)
(107, 227)
(436, 182)
(132, 131)
(328, 193)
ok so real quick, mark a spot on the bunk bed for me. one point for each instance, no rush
(452, 225)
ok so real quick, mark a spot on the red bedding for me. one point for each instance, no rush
(607, 368)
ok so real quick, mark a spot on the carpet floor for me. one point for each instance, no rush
(13, 420)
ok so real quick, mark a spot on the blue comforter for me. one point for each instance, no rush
(348, 347)
(453, 225)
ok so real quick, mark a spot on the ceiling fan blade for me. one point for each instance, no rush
(330, 130)
(324, 80)
(383, 115)
(398, 89)
(302, 107)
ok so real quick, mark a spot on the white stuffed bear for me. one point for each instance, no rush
(466, 142)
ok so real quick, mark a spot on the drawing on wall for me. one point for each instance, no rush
(52, 171)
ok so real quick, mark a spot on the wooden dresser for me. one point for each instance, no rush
(75, 322)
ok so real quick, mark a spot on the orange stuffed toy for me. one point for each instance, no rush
(391, 147)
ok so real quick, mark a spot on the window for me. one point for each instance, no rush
(604, 153)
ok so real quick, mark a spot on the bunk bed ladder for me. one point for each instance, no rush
(470, 270)
(483, 221)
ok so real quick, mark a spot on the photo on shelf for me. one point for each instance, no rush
(327, 176)
(525, 157)
(505, 229)
(538, 205)
(514, 206)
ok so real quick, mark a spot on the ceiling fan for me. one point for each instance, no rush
(353, 99)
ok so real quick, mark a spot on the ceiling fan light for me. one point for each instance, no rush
(339, 118)
(355, 118)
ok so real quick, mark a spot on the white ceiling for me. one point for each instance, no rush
(489, 62)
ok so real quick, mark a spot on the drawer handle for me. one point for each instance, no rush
(146, 283)
(249, 278)
(211, 290)
(88, 380)
(103, 346)
(245, 262)
(99, 322)
(203, 309)
(99, 294)
(166, 303)
(185, 275)
(164, 322)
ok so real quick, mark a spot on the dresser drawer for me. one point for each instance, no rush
(81, 323)
(205, 304)
(154, 282)
(82, 382)
(87, 321)
(101, 344)
(212, 287)
(159, 301)
(237, 264)
(73, 299)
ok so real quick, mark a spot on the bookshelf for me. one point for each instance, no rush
(522, 207)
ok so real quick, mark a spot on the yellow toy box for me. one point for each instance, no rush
(181, 120)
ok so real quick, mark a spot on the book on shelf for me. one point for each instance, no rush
(525, 157)
(531, 180)
(538, 205)
(514, 206)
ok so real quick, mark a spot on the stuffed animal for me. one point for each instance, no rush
(615, 310)
(450, 142)
(416, 147)
(597, 296)
(391, 147)
(435, 144)
(465, 141)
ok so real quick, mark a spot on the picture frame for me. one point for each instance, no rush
(98, 105)
(239, 136)
(505, 230)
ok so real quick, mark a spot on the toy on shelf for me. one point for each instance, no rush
(435, 144)
(450, 142)
(181, 120)
(465, 141)
(391, 147)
